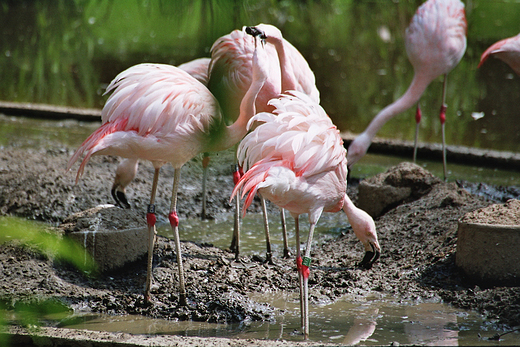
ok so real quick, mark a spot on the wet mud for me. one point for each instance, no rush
(418, 239)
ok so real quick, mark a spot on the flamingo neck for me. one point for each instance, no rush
(287, 73)
(236, 131)
(407, 100)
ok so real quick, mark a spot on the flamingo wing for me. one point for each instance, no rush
(298, 141)
(198, 68)
(440, 25)
(230, 72)
(156, 104)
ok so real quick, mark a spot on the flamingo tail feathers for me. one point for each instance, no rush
(90, 145)
(250, 181)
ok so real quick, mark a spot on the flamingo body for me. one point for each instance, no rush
(295, 157)
(230, 74)
(230, 69)
(160, 113)
(286, 161)
(436, 38)
(435, 43)
(127, 168)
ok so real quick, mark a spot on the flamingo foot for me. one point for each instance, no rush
(269, 258)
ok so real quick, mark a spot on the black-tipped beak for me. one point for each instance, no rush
(120, 198)
(254, 31)
(370, 258)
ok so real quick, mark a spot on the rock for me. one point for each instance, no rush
(488, 243)
(402, 183)
(113, 236)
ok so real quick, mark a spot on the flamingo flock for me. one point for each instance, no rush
(258, 92)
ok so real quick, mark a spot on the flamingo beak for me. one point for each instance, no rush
(370, 257)
(255, 32)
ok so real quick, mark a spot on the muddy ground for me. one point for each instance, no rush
(418, 240)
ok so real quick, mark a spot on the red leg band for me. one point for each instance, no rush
(151, 219)
(305, 271)
(174, 219)
(442, 115)
(299, 263)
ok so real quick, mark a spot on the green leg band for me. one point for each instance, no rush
(306, 261)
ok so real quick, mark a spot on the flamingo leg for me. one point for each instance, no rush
(286, 252)
(417, 122)
(442, 118)
(151, 219)
(205, 163)
(299, 268)
(174, 222)
(306, 262)
(268, 254)
(235, 241)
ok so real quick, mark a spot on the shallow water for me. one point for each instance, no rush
(252, 241)
(374, 321)
(24, 132)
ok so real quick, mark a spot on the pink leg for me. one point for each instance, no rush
(299, 268)
(442, 117)
(235, 241)
(306, 262)
(205, 163)
(151, 219)
(418, 116)
(174, 222)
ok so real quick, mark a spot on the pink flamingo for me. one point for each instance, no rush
(230, 74)
(435, 43)
(295, 157)
(127, 168)
(507, 50)
(160, 113)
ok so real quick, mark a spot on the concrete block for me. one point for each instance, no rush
(113, 236)
(488, 246)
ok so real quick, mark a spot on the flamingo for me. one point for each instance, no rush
(127, 168)
(229, 76)
(435, 43)
(161, 113)
(507, 50)
(295, 158)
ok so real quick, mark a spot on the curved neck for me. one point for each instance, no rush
(235, 132)
(407, 100)
(287, 73)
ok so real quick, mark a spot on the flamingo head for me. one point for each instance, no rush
(268, 33)
(357, 149)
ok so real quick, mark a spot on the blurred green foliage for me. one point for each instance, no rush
(48, 242)
(65, 52)
(29, 311)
